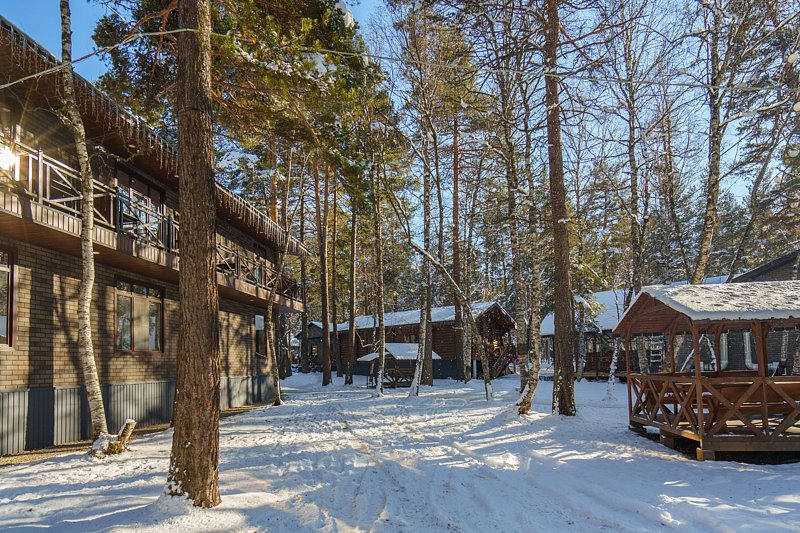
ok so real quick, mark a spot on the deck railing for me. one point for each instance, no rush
(736, 407)
(45, 180)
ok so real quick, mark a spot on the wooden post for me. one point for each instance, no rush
(671, 350)
(628, 371)
(717, 351)
(698, 386)
(760, 336)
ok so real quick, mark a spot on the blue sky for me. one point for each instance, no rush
(40, 20)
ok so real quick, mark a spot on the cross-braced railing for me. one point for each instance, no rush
(764, 409)
(257, 271)
(47, 181)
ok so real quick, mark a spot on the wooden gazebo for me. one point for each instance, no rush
(731, 388)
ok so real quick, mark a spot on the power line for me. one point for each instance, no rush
(405, 61)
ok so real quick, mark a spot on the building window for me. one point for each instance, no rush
(260, 347)
(140, 315)
(5, 298)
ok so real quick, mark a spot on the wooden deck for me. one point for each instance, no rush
(727, 413)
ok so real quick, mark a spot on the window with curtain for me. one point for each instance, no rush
(140, 314)
(5, 298)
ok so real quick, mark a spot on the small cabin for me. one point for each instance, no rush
(730, 376)
(604, 311)
(494, 325)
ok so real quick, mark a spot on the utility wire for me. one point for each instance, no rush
(394, 59)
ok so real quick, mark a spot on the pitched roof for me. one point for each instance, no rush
(757, 300)
(608, 306)
(404, 351)
(411, 317)
(766, 267)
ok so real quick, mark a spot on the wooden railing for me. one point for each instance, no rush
(732, 407)
(256, 271)
(45, 180)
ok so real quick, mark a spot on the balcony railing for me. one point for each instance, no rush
(255, 271)
(47, 181)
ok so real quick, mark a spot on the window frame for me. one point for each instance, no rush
(255, 333)
(147, 285)
(12, 298)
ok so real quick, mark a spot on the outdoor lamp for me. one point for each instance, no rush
(7, 158)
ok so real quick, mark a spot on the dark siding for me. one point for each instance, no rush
(37, 418)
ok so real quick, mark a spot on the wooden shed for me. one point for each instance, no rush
(734, 385)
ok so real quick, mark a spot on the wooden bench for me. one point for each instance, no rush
(398, 377)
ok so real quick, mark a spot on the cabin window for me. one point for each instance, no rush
(5, 298)
(260, 346)
(140, 317)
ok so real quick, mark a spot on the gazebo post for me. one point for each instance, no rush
(717, 350)
(628, 370)
(758, 335)
(701, 427)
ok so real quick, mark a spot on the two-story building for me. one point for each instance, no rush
(137, 247)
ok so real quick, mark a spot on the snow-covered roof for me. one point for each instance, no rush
(608, 305)
(753, 300)
(405, 351)
(410, 317)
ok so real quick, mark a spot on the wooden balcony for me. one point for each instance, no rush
(40, 204)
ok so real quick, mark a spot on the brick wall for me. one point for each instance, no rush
(44, 350)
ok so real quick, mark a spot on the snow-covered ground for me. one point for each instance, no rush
(339, 459)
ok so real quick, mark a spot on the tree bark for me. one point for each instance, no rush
(74, 122)
(337, 352)
(458, 321)
(194, 461)
(378, 243)
(426, 329)
(322, 235)
(563, 383)
(351, 332)
(715, 136)
(305, 367)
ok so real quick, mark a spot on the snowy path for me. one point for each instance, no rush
(340, 460)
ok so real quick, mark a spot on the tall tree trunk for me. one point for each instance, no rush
(535, 322)
(458, 322)
(74, 122)
(351, 332)
(305, 367)
(270, 331)
(563, 384)
(378, 243)
(715, 136)
(194, 462)
(322, 235)
(671, 195)
(337, 352)
(426, 329)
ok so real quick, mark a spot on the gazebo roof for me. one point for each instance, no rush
(655, 308)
